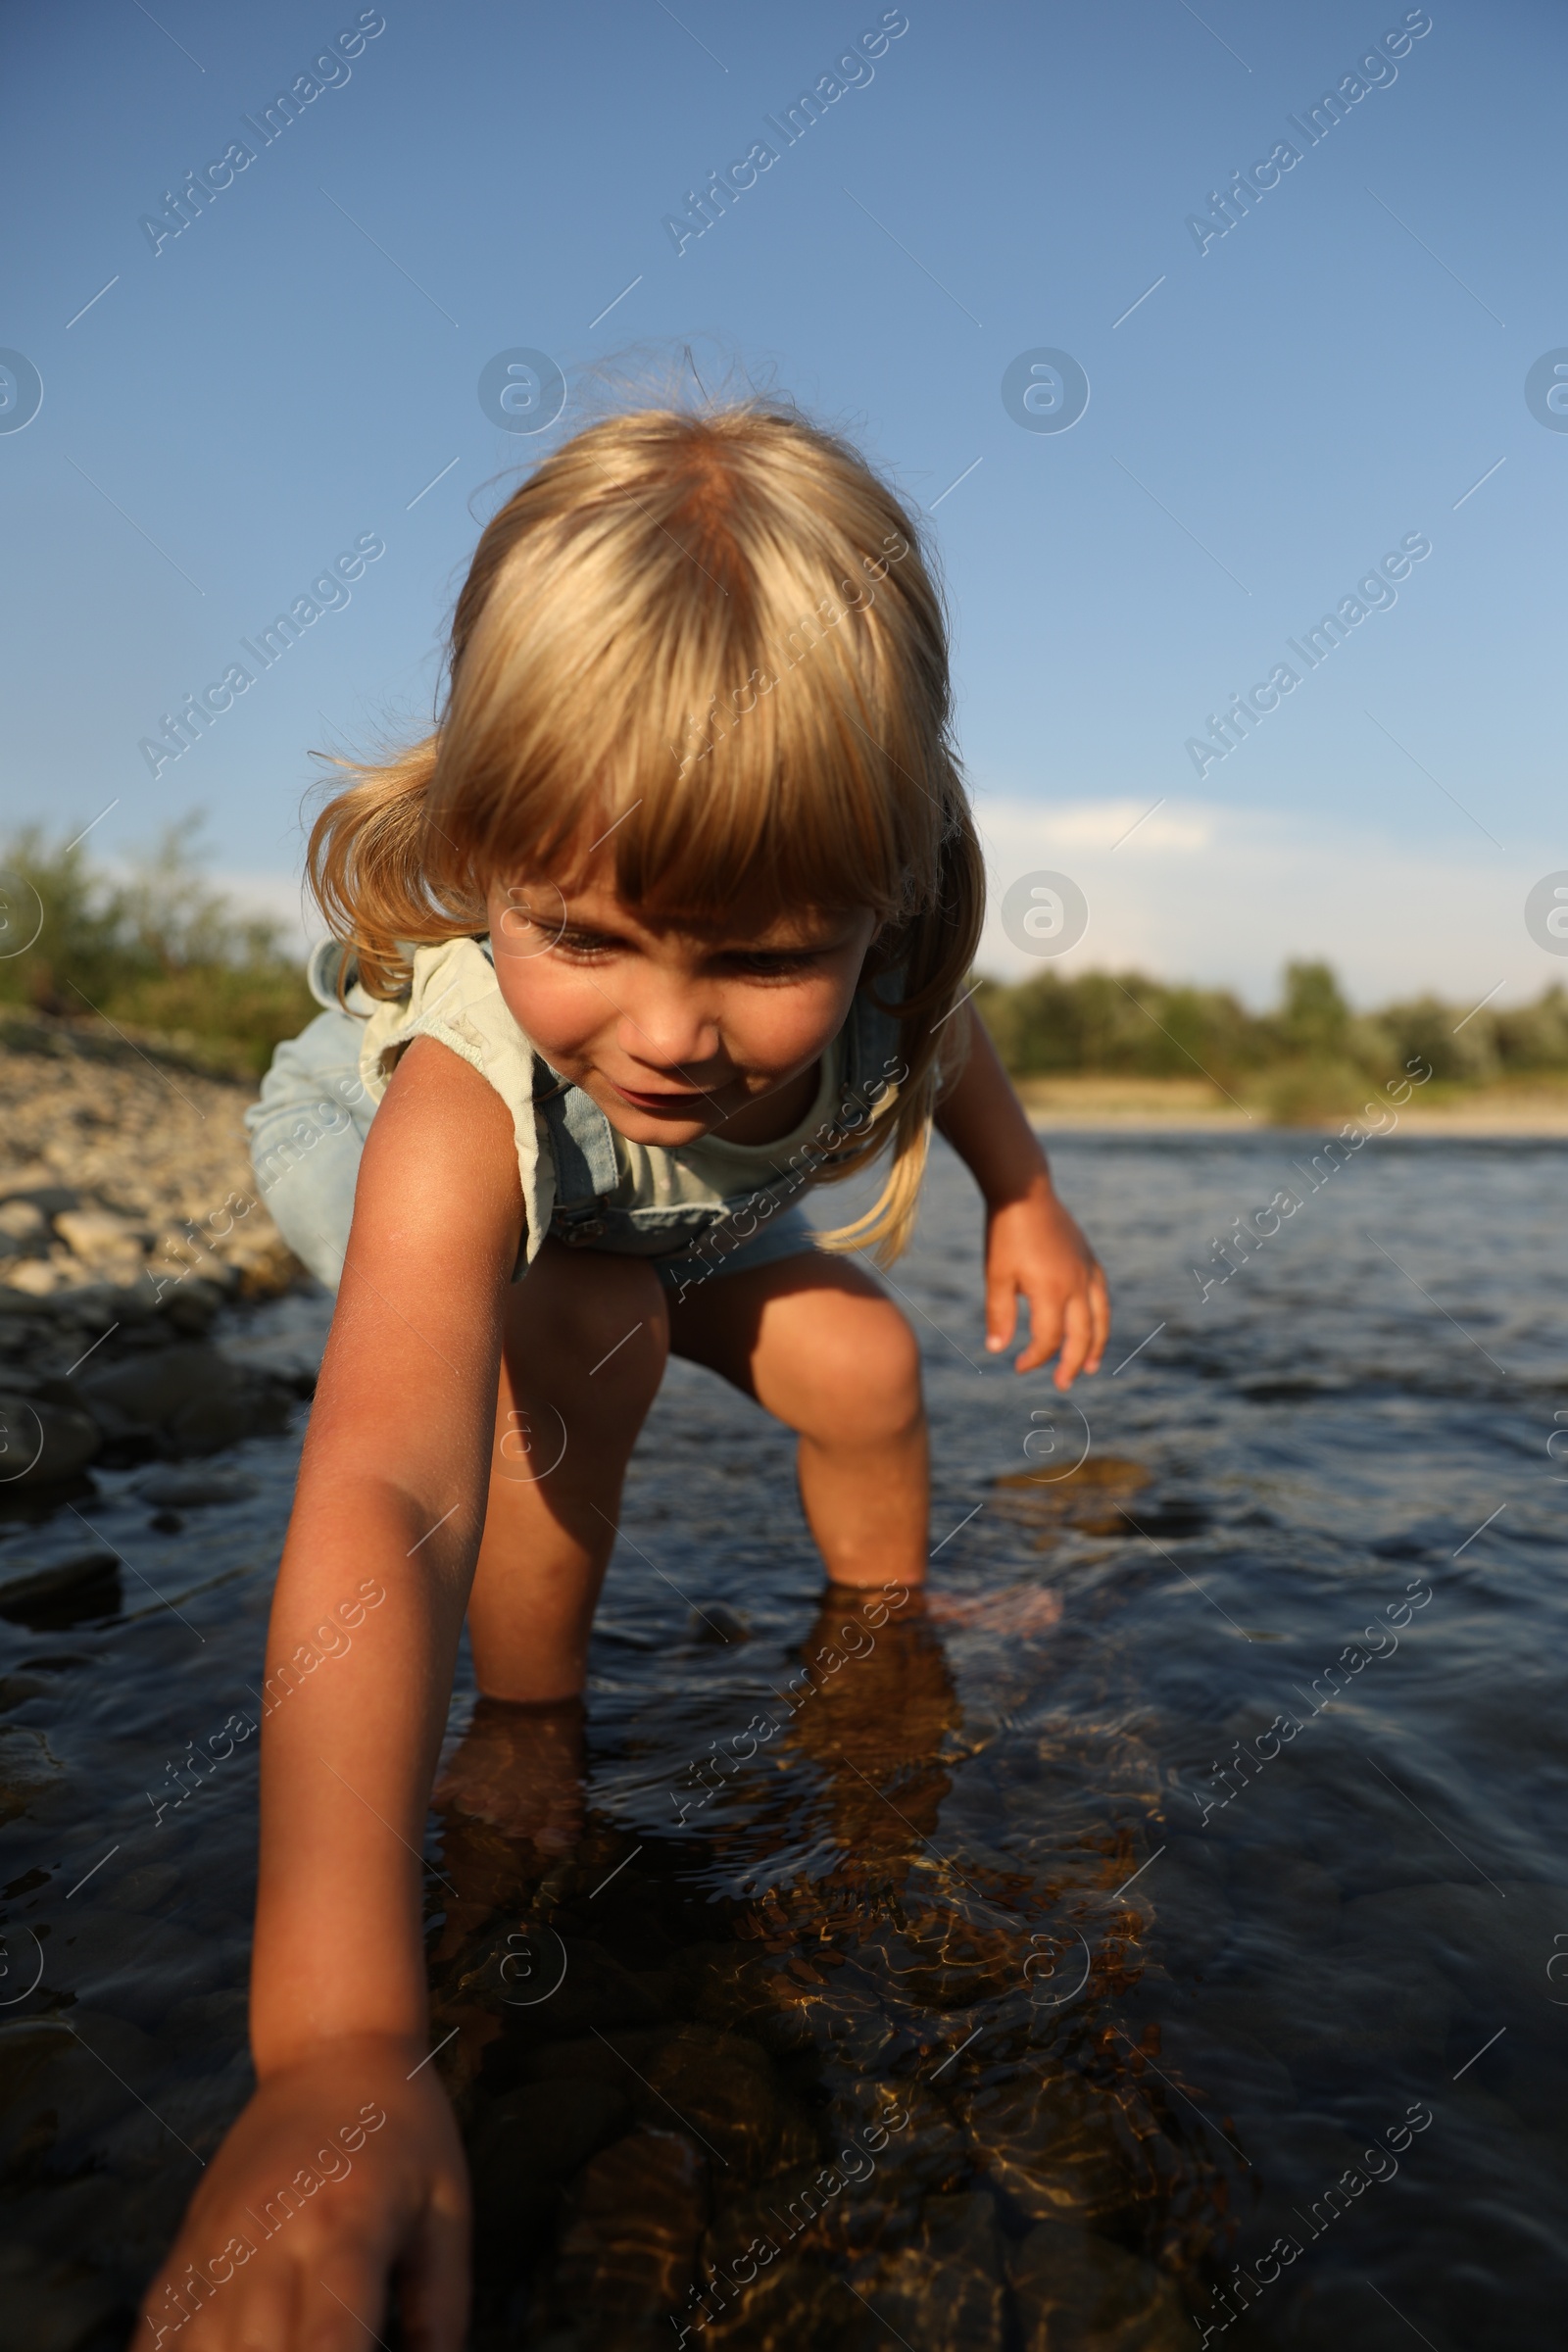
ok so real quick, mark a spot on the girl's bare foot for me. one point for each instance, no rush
(1018, 1610)
(520, 1766)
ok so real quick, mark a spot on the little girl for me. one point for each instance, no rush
(670, 920)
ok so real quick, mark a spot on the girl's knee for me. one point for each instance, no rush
(864, 1377)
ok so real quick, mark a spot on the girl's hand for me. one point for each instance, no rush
(1034, 1246)
(341, 2171)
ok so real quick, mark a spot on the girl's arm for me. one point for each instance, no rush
(361, 1653)
(1032, 1245)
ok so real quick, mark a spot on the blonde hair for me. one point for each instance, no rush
(716, 633)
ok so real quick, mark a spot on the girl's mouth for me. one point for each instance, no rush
(686, 1102)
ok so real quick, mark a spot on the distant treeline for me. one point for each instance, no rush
(156, 951)
(1311, 1053)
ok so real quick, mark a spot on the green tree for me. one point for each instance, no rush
(156, 949)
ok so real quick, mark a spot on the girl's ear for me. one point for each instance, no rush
(885, 937)
(887, 948)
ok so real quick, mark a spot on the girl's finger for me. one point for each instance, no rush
(345, 2301)
(1001, 1310)
(434, 2288)
(1046, 1330)
(256, 2309)
(1099, 1318)
(1076, 1336)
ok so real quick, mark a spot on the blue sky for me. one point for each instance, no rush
(288, 374)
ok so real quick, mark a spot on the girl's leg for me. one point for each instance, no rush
(586, 1340)
(818, 1344)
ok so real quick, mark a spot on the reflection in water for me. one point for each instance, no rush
(886, 2088)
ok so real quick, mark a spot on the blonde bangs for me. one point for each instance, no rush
(718, 682)
(713, 639)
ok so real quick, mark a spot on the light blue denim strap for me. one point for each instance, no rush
(871, 1037)
(582, 1146)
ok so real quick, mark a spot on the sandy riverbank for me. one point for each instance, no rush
(1153, 1106)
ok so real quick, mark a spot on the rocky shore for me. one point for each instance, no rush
(129, 1219)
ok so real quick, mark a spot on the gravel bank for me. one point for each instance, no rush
(129, 1220)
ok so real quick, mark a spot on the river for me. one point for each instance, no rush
(1163, 1934)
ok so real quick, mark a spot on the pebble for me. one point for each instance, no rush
(191, 1489)
(124, 1167)
(40, 1594)
(629, 2244)
(42, 1444)
(1074, 2287)
(129, 1218)
(948, 2286)
(187, 1398)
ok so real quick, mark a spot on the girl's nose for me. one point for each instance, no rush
(668, 1027)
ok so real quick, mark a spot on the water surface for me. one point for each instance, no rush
(1165, 1934)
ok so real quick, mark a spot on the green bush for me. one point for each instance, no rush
(1312, 1056)
(1122, 1022)
(156, 951)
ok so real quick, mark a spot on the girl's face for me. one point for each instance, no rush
(676, 1033)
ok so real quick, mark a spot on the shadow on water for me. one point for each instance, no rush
(1159, 1935)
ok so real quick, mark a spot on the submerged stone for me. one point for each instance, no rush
(1075, 2290)
(635, 2215)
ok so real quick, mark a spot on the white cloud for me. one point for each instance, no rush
(1103, 824)
(1225, 897)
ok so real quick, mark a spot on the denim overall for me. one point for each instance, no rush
(309, 1128)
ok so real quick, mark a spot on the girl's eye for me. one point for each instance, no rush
(781, 965)
(584, 944)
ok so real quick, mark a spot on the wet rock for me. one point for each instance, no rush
(525, 2147)
(26, 1769)
(791, 2304)
(1059, 2150)
(593, 2060)
(147, 1888)
(785, 2014)
(723, 2086)
(1407, 1547)
(186, 1400)
(1092, 1499)
(1177, 1516)
(191, 1308)
(45, 1595)
(53, 2306)
(1077, 2292)
(713, 1626)
(511, 1963)
(951, 1957)
(15, 1691)
(636, 2213)
(43, 1443)
(178, 1489)
(947, 2288)
(56, 2084)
